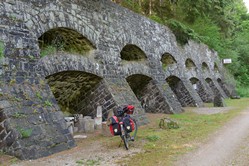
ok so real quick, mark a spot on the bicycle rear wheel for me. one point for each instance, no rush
(134, 133)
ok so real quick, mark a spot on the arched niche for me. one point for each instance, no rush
(216, 69)
(148, 93)
(167, 59)
(190, 64)
(223, 86)
(181, 92)
(211, 84)
(199, 88)
(64, 40)
(78, 92)
(132, 52)
(204, 67)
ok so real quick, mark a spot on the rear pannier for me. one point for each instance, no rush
(114, 126)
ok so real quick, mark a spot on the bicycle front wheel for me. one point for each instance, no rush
(125, 140)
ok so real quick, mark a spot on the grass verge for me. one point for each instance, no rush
(162, 147)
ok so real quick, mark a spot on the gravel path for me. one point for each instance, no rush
(86, 153)
(228, 146)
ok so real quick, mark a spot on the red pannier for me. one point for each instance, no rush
(114, 126)
(129, 124)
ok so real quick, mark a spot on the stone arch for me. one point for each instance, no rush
(148, 94)
(181, 92)
(223, 86)
(216, 69)
(204, 67)
(77, 84)
(132, 52)
(168, 60)
(38, 24)
(62, 39)
(190, 65)
(61, 62)
(197, 85)
(211, 84)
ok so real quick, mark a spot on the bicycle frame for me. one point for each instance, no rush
(125, 136)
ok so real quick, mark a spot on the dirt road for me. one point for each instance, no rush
(228, 146)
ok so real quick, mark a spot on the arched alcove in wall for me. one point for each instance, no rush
(204, 67)
(190, 65)
(199, 88)
(63, 39)
(148, 93)
(167, 60)
(132, 52)
(78, 92)
(223, 87)
(211, 84)
(216, 69)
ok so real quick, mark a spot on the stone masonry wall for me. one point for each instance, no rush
(32, 124)
(152, 99)
(97, 96)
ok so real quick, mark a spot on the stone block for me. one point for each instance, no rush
(89, 125)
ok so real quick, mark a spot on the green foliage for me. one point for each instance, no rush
(130, 4)
(152, 138)
(25, 133)
(19, 115)
(48, 103)
(243, 91)
(48, 50)
(182, 32)
(38, 95)
(1, 50)
(88, 162)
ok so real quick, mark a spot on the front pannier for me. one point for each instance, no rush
(128, 124)
(114, 126)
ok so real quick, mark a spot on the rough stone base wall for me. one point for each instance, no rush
(123, 95)
(183, 95)
(224, 88)
(34, 125)
(152, 100)
(214, 88)
(99, 95)
(206, 97)
(170, 97)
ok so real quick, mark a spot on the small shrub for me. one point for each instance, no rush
(153, 138)
(18, 115)
(25, 133)
(167, 123)
(38, 95)
(48, 103)
(1, 50)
